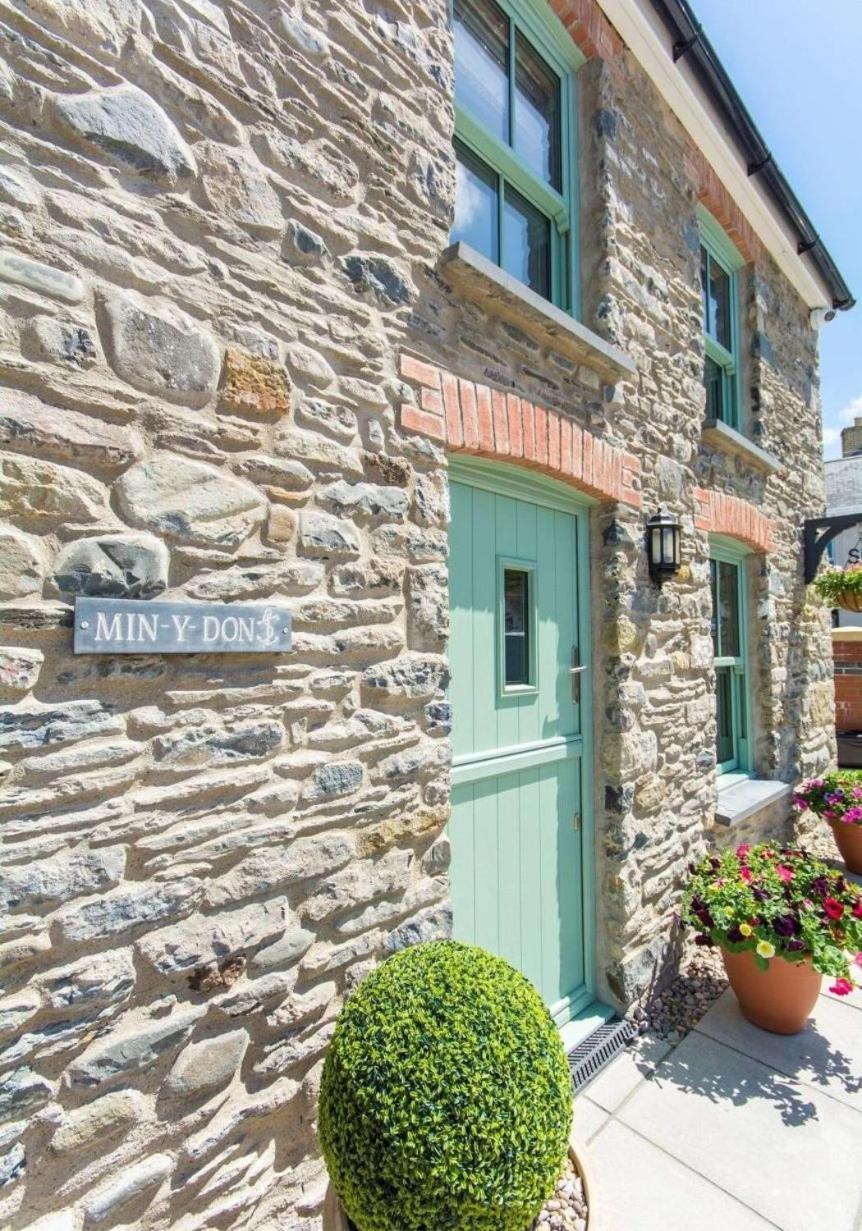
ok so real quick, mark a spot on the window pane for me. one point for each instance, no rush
(704, 285)
(537, 113)
(719, 305)
(527, 243)
(713, 586)
(712, 377)
(516, 629)
(476, 205)
(481, 64)
(728, 610)
(725, 749)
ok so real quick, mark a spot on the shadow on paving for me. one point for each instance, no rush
(813, 1061)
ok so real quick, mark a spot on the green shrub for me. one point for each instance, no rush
(446, 1099)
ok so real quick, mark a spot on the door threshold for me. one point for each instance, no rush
(584, 1023)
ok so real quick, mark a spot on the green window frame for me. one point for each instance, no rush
(493, 157)
(722, 367)
(729, 591)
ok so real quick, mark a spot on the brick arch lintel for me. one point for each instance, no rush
(476, 419)
(721, 513)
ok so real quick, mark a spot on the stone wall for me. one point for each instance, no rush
(212, 219)
(220, 232)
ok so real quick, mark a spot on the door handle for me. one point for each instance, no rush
(575, 673)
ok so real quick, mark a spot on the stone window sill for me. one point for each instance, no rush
(729, 440)
(501, 295)
(740, 797)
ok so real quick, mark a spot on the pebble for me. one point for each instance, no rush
(566, 1210)
(680, 1006)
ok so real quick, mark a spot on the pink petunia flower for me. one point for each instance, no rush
(746, 875)
(842, 987)
(784, 873)
(742, 850)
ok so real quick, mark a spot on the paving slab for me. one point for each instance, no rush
(615, 1083)
(587, 1120)
(789, 1152)
(827, 1054)
(640, 1188)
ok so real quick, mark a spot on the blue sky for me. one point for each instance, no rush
(796, 64)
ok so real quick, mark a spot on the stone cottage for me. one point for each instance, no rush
(396, 324)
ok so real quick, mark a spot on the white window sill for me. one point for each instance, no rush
(501, 295)
(721, 436)
(740, 797)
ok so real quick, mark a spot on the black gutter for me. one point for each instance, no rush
(691, 44)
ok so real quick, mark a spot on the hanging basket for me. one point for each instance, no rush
(849, 600)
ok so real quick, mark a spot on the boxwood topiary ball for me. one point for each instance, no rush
(446, 1099)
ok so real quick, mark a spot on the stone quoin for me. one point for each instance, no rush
(284, 329)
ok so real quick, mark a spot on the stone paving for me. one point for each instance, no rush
(733, 1128)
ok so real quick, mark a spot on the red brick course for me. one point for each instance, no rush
(473, 418)
(722, 514)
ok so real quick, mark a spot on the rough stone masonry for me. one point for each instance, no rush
(220, 232)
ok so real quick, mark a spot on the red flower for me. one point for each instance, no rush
(745, 874)
(742, 850)
(857, 909)
(833, 908)
(841, 987)
(784, 873)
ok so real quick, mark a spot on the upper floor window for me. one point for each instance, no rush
(514, 126)
(719, 263)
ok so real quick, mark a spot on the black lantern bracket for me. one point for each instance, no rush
(818, 533)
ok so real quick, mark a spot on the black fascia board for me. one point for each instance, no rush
(692, 45)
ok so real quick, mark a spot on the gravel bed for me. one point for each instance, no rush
(567, 1209)
(682, 1004)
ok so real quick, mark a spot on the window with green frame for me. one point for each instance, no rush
(719, 265)
(727, 581)
(514, 142)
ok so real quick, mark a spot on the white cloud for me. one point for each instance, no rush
(851, 412)
(832, 434)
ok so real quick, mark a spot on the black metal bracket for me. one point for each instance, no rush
(818, 533)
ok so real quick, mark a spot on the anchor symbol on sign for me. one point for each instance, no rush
(267, 620)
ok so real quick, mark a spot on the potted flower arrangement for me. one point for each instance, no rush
(837, 797)
(783, 919)
(840, 587)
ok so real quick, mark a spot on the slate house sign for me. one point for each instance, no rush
(134, 626)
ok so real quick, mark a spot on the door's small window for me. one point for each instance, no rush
(517, 633)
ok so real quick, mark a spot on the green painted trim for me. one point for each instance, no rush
(584, 1022)
(475, 767)
(716, 239)
(518, 482)
(509, 480)
(515, 692)
(565, 1011)
(728, 551)
(543, 29)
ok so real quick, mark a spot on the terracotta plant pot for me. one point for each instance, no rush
(849, 601)
(335, 1219)
(848, 839)
(779, 999)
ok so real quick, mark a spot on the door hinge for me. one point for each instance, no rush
(576, 821)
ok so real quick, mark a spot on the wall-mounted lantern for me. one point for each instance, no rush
(663, 546)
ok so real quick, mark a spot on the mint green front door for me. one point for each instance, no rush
(517, 821)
